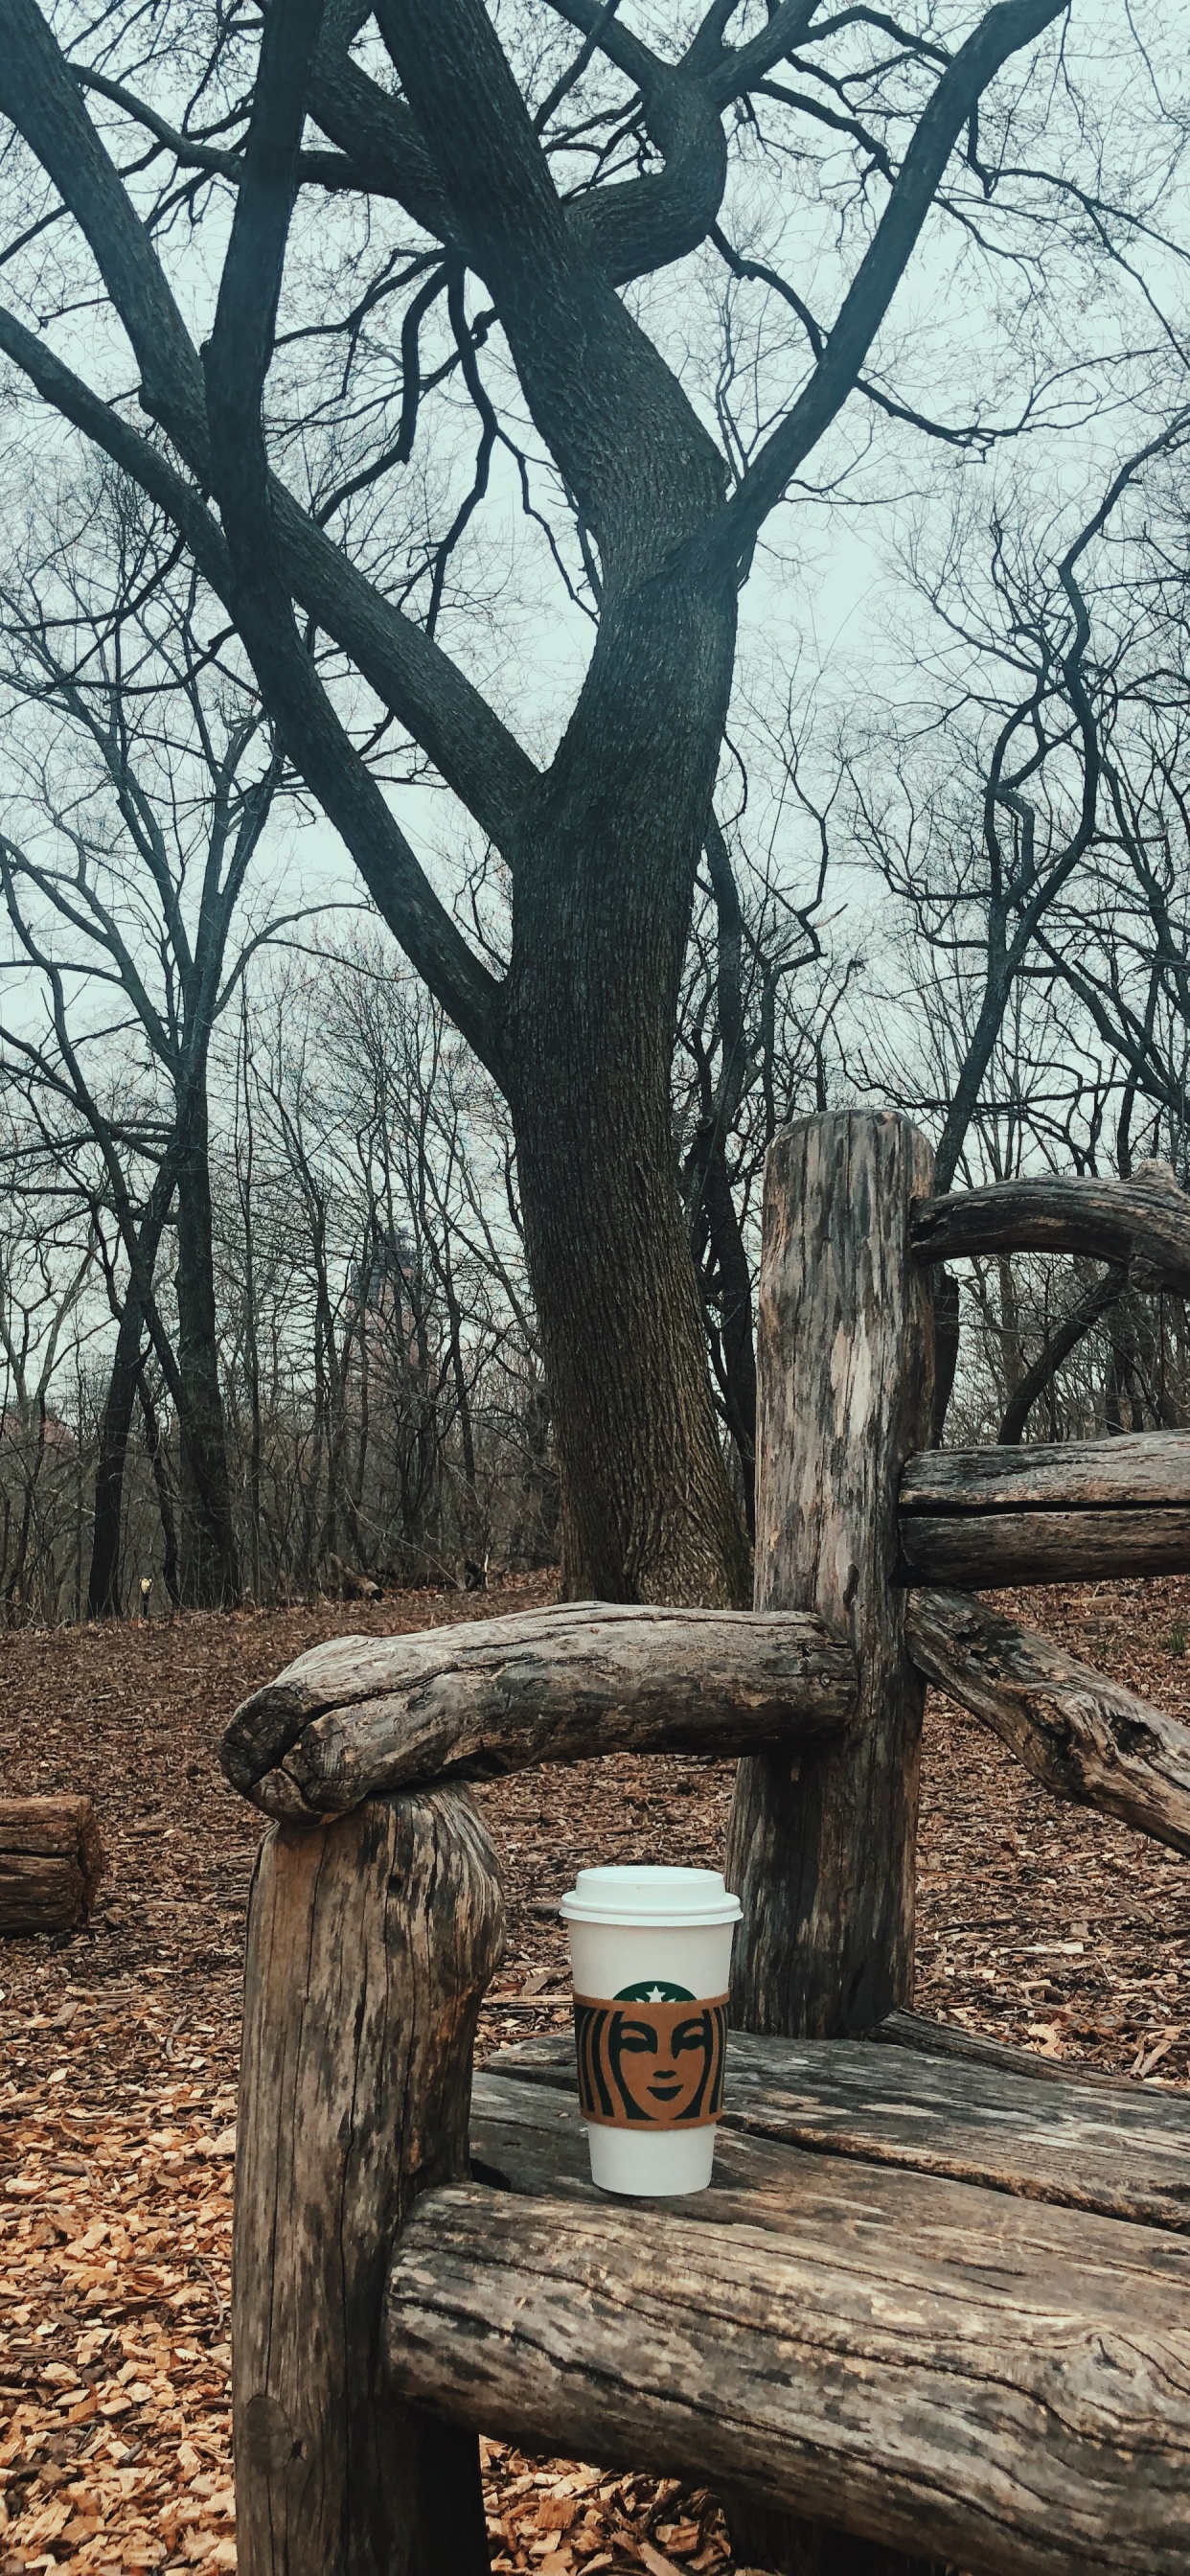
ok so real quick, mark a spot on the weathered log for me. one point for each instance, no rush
(369, 1944)
(1123, 2153)
(1067, 1512)
(1138, 1471)
(990, 1550)
(1083, 1736)
(368, 1714)
(1144, 1221)
(822, 1852)
(1022, 2418)
(51, 1862)
(529, 2138)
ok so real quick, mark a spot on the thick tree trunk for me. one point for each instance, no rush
(602, 913)
(208, 1571)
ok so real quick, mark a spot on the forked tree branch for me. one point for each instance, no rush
(237, 362)
(476, 754)
(1007, 27)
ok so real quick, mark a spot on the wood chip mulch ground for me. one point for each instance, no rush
(1039, 1923)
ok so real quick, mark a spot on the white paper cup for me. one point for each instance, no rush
(651, 1955)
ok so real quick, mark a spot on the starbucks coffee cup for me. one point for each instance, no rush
(651, 1954)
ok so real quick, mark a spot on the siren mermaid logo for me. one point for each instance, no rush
(658, 2065)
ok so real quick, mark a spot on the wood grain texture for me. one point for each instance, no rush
(528, 2137)
(1023, 2417)
(1084, 1736)
(992, 1549)
(369, 1943)
(1066, 1512)
(51, 1862)
(1144, 1221)
(364, 1715)
(1137, 1471)
(1121, 2152)
(822, 1854)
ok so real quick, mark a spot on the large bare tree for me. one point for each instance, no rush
(555, 184)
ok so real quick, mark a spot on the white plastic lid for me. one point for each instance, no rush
(673, 1899)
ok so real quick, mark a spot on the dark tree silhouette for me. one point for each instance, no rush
(603, 842)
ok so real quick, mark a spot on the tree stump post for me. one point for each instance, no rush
(821, 1850)
(370, 1942)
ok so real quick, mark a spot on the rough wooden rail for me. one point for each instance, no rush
(1073, 1512)
(1144, 1221)
(369, 1714)
(51, 1862)
(1084, 1736)
(920, 2397)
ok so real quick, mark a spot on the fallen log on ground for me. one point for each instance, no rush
(1022, 2417)
(1079, 1511)
(51, 1862)
(365, 1715)
(1083, 1736)
(1144, 1221)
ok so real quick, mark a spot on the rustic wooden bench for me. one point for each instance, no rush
(935, 2308)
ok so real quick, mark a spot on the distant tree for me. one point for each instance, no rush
(139, 781)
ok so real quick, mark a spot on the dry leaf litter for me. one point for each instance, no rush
(1039, 1923)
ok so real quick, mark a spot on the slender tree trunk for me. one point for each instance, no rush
(165, 1501)
(730, 1260)
(103, 1581)
(601, 918)
(208, 1572)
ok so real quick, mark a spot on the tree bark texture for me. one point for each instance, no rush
(1143, 1222)
(602, 912)
(1022, 2419)
(822, 1851)
(369, 1944)
(362, 1715)
(1083, 1736)
(823, 1856)
(1066, 1512)
(51, 1862)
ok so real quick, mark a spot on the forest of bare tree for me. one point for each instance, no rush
(576, 584)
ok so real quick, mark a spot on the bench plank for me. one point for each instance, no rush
(1019, 2413)
(529, 2138)
(1124, 2154)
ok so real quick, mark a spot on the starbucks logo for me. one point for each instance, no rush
(650, 2057)
(657, 1991)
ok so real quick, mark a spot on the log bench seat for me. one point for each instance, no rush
(938, 2293)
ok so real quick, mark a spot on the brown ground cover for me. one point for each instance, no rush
(1038, 1923)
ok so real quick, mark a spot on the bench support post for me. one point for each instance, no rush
(821, 1850)
(370, 1942)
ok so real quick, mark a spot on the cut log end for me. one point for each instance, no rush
(51, 1863)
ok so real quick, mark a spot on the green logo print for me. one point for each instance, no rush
(654, 1990)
